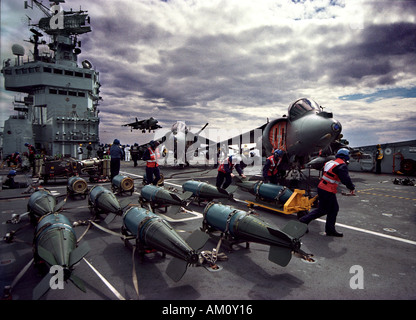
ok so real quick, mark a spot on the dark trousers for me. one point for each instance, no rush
(114, 167)
(150, 172)
(135, 157)
(378, 166)
(220, 179)
(328, 205)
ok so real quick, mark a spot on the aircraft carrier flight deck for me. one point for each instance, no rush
(375, 259)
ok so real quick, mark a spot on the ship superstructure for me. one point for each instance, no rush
(60, 110)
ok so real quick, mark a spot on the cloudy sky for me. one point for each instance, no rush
(235, 63)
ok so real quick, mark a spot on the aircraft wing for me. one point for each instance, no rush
(135, 124)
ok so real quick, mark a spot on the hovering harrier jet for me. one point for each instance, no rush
(147, 124)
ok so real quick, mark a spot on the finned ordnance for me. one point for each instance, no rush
(55, 243)
(265, 191)
(103, 200)
(41, 203)
(206, 191)
(240, 226)
(153, 232)
(159, 196)
(122, 184)
(77, 186)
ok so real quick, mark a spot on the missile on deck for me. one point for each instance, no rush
(206, 191)
(41, 203)
(240, 226)
(153, 232)
(55, 243)
(283, 200)
(77, 186)
(159, 196)
(122, 184)
(265, 191)
(103, 200)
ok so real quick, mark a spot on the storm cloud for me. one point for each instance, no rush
(236, 63)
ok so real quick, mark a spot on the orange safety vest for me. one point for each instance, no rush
(273, 167)
(221, 167)
(152, 163)
(31, 151)
(330, 181)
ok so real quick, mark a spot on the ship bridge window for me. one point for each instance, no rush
(58, 71)
(72, 93)
(301, 107)
(63, 92)
(79, 74)
(53, 91)
(81, 94)
(19, 71)
(46, 69)
(69, 73)
(87, 75)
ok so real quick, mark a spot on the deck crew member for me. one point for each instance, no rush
(335, 171)
(135, 153)
(271, 170)
(225, 171)
(379, 157)
(32, 156)
(116, 153)
(151, 156)
(80, 151)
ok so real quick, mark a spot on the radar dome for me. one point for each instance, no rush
(18, 50)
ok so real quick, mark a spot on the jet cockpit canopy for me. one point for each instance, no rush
(300, 107)
(179, 126)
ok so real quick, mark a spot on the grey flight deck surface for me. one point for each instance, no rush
(376, 258)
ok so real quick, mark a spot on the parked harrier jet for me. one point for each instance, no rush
(147, 124)
(308, 135)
